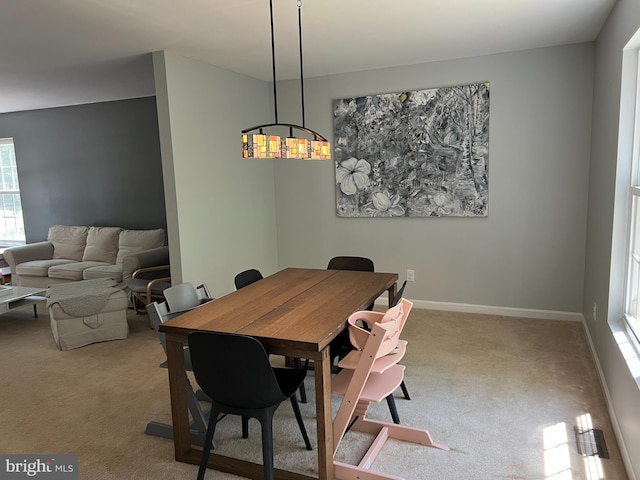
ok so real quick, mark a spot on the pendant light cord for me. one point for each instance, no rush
(300, 43)
(273, 64)
(264, 145)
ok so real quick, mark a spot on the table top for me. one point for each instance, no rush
(12, 293)
(296, 308)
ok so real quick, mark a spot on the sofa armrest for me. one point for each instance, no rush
(149, 258)
(25, 253)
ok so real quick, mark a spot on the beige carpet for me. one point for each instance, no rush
(503, 393)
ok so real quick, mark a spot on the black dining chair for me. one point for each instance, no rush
(341, 345)
(248, 277)
(360, 264)
(234, 370)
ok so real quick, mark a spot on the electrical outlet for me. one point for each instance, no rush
(595, 310)
(411, 275)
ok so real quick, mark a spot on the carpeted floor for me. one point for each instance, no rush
(503, 393)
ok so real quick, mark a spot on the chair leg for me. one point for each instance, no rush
(392, 408)
(208, 441)
(405, 391)
(245, 427)
(303, 392)
(296, 411)
(266, 422)
(197, 415)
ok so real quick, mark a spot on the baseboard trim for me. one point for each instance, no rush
(493, 310)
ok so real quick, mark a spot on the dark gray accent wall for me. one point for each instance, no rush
(95, 164)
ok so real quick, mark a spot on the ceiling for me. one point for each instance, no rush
(66, 52)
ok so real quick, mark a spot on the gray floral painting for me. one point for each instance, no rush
(423, 153)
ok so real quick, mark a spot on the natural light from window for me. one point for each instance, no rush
(11, 221)
(592, 463)
(557, 461)
(629, 353)
(557, 454)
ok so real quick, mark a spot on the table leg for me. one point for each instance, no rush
(322, 371)
(178, 392)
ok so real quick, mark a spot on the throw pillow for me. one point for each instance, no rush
(102, 245)
(68, 242)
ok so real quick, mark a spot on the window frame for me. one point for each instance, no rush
(631, 314)
(18, 241)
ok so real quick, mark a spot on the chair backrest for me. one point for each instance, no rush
(181, 297)
(393, 321)
(184, 297)
(406, 306)
(204, 295)
(159, 313)
(247, 278)
(361, 264)
(398, 295)
(234, 370)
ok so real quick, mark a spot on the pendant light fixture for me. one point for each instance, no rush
(309, 146)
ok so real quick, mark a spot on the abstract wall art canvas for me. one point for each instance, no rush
(422, 153)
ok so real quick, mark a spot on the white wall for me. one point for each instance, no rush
(604, 265)
(529, 252)
(220, 207)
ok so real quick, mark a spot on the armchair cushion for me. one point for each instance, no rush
(134, 241)
(102, 245)
(68, 242)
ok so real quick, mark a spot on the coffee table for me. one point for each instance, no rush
(16, 297)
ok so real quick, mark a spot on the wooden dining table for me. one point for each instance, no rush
(296, 312)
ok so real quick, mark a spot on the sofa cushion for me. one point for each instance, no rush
(72, 271)
(102, 244)
(103, 271)
(134, 241)
(68, 242)
(39, 268)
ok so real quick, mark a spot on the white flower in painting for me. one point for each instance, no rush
(385, 206)
(353, 175)
(441, 204)
(441, 199)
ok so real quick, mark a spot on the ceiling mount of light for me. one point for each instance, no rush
(256, 143)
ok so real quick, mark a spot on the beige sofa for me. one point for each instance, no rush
(74, 253)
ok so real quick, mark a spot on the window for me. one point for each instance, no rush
(632, 297)
(11, 222)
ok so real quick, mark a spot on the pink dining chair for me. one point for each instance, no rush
(369, 374)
